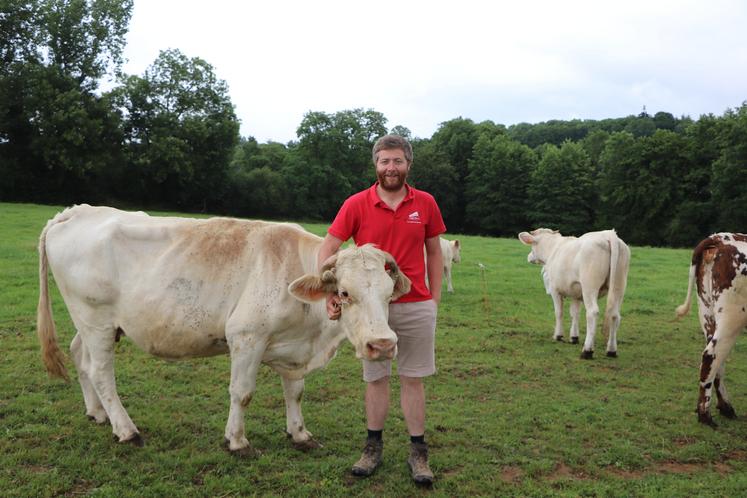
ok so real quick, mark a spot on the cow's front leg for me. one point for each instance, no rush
(713, 358)
(557, 301)
(447, 274)
(592, 314)
(575, 310)
(246, 357)
(293, 392)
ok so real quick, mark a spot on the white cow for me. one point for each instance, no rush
(181, 288)
(582, 269)
(719, 268)
(450, 249)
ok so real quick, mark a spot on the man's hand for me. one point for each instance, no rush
(333, 306)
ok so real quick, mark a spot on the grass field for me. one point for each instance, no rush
(510, 412)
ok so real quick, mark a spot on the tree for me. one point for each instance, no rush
(57, 136)
(431, 171)
(497, 186)
(335, 151)
(730, 172)
(181, 130)
(561, 192)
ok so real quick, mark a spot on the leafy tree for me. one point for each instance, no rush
(58, 138)
(730, 172)
(640, 185)
(431, 171)
(181, 130)
(402, 131)
(335, 151)
(561, 192)
(497, 186)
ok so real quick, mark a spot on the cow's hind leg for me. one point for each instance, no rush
(557, 301)
(246, 357)
(100, 346)
(94, 409)
(293, 392)
(723, 404)
(612, 323)
(592, 315)
(575, 310)
(714, 355)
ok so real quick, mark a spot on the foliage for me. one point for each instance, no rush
(510, 412)
(497, 186)
(181, 130)
(561, 192)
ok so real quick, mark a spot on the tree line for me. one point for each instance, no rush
(169, 139)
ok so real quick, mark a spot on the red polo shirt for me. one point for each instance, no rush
(401, 233)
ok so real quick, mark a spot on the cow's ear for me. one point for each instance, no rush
(526, 238)
(311, 288)
(456, 243)
(402, 285)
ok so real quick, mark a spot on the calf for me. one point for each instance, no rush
(582, 269)
(719, 269)
(450, 249)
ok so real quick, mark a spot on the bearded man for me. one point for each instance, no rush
(398, 219)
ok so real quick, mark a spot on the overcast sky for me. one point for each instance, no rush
(421, 63)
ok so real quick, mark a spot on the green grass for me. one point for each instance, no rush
(510, 412)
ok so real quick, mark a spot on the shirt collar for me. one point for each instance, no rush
(377, 200)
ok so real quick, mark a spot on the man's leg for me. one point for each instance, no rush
(377, 408)
(412, 399)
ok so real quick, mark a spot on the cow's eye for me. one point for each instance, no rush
(344, 294)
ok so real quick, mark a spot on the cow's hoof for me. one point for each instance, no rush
(558, 338)
(135, 440)
(612, 354)
(574, 340)
(307, 445)
(705, 418)
(245, 452)
(727, 411)
(99, 420)
(587, 355)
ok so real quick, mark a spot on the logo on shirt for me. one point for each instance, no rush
(414, 217)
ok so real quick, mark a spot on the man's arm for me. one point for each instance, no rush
(329, 246)
(435, 266)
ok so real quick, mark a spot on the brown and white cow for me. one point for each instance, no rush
(719, 269)
(583, 269)
(180, 288)
(451, 252)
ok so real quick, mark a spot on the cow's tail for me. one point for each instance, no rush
(54, 359)
(619, 261)
(684, 308)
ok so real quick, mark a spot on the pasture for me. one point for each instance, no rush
(510, 412)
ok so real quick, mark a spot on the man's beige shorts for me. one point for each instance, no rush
(415, 326)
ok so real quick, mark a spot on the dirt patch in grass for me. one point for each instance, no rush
(511, 474)
(563, 471)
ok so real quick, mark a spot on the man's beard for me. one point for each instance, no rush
(391, 183)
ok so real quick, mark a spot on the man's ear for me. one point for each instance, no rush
(311, 288)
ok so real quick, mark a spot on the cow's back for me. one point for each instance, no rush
(170, 284)
(581, 261)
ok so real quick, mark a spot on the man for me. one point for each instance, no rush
(400, 220)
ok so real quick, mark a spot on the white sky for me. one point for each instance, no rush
(421, 63)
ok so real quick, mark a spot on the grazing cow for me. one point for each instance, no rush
(719, 269)
(181, 288)
(582, 269)
(450, 249)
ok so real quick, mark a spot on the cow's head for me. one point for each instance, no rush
(455, 251)
(366, 279)
(542, 241)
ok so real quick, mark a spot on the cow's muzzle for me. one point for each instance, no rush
(381, 349)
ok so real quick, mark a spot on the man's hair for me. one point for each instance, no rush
(388, 142)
